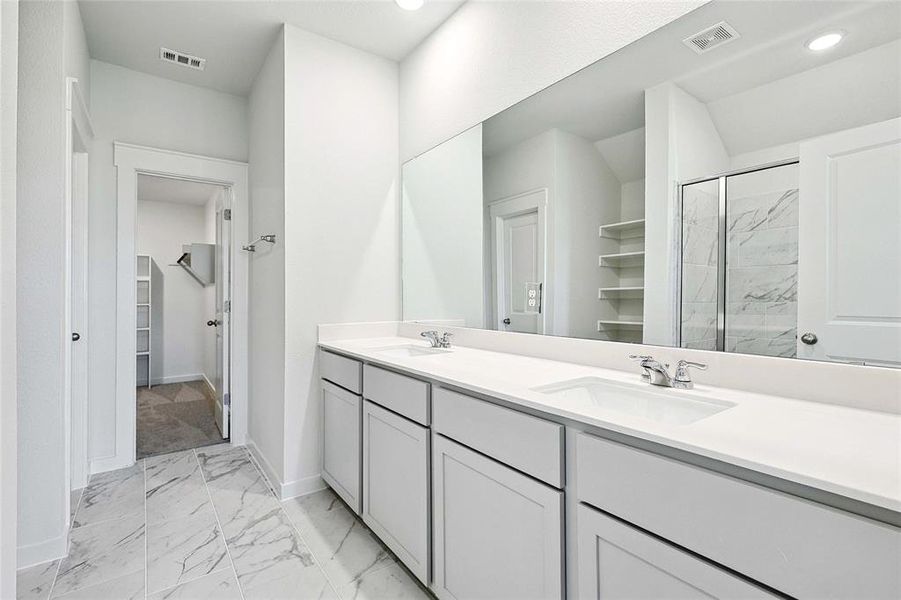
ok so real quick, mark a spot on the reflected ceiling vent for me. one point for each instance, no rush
(712, 37)
(180, 58)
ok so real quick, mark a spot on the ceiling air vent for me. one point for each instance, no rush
(712, 37)
(180, 58)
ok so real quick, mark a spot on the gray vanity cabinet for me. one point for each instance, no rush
(498, 532)
(341, 413)
(396, 485)
(619, 562)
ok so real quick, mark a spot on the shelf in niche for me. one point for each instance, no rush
(633, 228)
(621, 259)
(634, 291)
(619, 324)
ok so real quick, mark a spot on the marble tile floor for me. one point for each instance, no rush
(205, 524)
(175, 416)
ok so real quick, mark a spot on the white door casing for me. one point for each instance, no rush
(223, 314)
(849, 246)
(518, 226)
(131, 160)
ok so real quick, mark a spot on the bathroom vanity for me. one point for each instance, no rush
(494, 475)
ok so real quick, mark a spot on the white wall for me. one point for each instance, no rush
(128, 106)
(490, 55)
(443, 214)
(526, 166)
(266, 358)
(588, 194)
(583, 192)
(51, 46)
(9, 55)
(681, 143)
(179, 323)
(341, 214)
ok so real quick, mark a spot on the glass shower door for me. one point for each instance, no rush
(700, 260)
(762, 262)
(739, 262)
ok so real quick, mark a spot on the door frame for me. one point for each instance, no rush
(505, 208)
(79, 136)
(224, 236)
(130, 161)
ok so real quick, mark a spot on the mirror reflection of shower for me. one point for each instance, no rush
(739, 262)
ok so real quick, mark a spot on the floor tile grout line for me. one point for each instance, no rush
(59, 561)
(146, 534)
(228, 551)
(309, 548)
(281, 506)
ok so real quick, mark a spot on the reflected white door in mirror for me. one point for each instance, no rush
(518, 243)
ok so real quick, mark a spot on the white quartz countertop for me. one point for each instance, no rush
(851, 452)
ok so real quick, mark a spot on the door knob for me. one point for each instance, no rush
(213, 323)
(809, 338)
(507, 321)
(76, 336)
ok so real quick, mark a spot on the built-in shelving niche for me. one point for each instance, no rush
(143, 323)
(621, 263)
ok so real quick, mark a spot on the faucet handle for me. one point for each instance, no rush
(432, 336)
(683, 377)
(640, 358)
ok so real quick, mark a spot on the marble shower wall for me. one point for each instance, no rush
(762, 262)
(700, 210)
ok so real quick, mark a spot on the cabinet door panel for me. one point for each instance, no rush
(396, 485)
(341, 456)
(498, 533)
(619, 562)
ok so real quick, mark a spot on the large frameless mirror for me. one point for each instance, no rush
(725, 183)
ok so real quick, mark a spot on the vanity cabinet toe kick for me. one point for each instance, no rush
(479, 500)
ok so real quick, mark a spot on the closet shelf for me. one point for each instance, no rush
(619, 324)
(621, 259)
(633, 228)
(621, 291)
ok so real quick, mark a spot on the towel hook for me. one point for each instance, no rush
(252, 247)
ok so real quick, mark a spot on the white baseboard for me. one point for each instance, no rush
(209, 384)
(268, 471)
(179, 379)
(291, 489)
(302, 487)
(35, 554)
(109, 463)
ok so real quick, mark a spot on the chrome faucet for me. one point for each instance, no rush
(442, 341)
(657, 373)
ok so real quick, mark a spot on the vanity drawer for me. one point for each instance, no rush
(404, 395)
(798, 547)
(524, 442)
(341, 370)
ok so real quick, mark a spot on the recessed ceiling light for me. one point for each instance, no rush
(410, 4)
(825, 41)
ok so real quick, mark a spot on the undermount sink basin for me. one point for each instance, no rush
(410, 350)
(665, 405)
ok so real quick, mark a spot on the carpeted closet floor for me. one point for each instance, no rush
(175, 416)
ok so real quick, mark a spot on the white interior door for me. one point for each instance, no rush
(78, 137)
(521, 286)
(223, 311)
(849, 246)
(519, 250)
